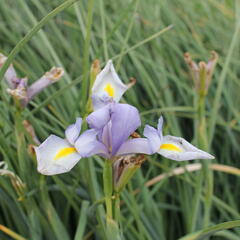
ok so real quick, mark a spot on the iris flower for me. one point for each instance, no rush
(110, 128)
(115, 123)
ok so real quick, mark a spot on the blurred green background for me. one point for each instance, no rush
(129, 32)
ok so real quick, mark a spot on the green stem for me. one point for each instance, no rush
(31, 33)
(116, 208)
(86, 52)
(207, 173)
(112, 228)
(21, 146)
(205, 176)
(108, 188)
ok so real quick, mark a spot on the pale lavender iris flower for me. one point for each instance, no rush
(115, 123)
(109, 136)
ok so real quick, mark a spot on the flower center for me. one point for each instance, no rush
(170, 147)
(65, 152)
(109, 89)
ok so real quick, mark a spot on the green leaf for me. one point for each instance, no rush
(82, 221)
(202, 234)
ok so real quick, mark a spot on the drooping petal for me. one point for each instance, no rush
(98, 119)
(108, 81)
(153, 137)
(73, 131)
(177, 148)
(56, 155)
(136, 145)
(47, 79)
(125, 120)
(10, 74)
(88, 145)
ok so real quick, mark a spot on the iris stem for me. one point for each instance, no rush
(207, 173)
(116, 208)
(112, 228)
(90, 173)
(205, 176)
(107, 181)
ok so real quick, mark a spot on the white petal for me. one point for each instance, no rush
(108, 81)
(73, 131)
(56, 155)
(179, 149)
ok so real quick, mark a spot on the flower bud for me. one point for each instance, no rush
(17, 183)
(202, 73)
(20, 92)
(95, 69)
(124, 168)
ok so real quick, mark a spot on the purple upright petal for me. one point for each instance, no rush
(125, 120)
(99, 118)
(153, 136)
(136, 145)
(73, 131)
(105, 135)
(88, 145)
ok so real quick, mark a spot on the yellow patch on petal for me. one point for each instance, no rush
(109, 89)
(65, 152)
(170, 147)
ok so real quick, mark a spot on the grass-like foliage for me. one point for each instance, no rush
(146, 40)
